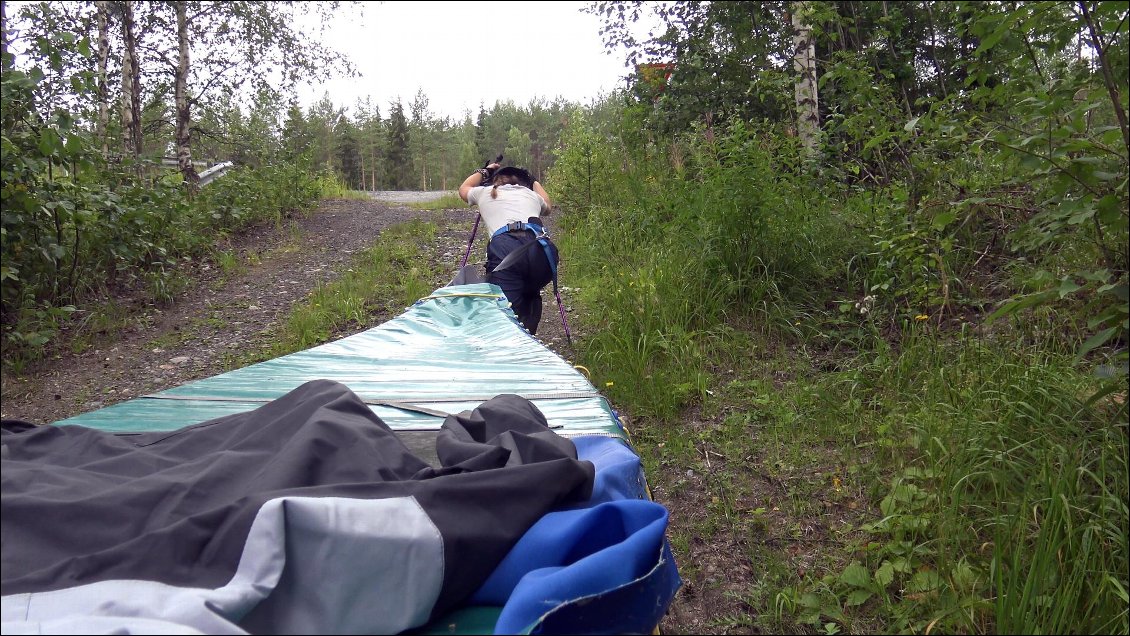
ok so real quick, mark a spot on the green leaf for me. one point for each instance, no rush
(924, 581)
(856, 575)
(911, 124)
(1110, 208)
(964, 576)
(49, 142)
(858, 597)
(810, 600)
(1096, 340)
(1067, 287)
(64, 120)
(885, 575)
(73, 145)
(1082, 216)
(944, 219)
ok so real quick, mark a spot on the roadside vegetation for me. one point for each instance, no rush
(887, 378)
(445, 202)
(867, 321)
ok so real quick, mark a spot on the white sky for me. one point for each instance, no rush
(450, 49)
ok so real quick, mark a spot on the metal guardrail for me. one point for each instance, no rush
(215, 171)
(206, 176)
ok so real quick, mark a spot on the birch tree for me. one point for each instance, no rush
(4, 30)
(243, 49)
(131, 83)
(183, 107)
(103, 24)
(804, 64)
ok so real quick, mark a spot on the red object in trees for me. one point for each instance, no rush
(655, 74)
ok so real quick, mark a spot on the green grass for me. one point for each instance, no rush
(446, 202)
(991, 497)
(1001, 493)
(332, 187)
(228, 262)
(894, 478)
(385, 278)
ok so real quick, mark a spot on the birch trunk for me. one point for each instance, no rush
(184, 118)
(103, 21)
(131, 85)
(804, 63)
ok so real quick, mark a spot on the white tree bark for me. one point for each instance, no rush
(103, 21)
(184, 115)
(131, 85)
(804, 63)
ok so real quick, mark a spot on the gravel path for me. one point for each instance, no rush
(399, 196)
(203, 331)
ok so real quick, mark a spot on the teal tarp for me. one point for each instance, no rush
(449, 352)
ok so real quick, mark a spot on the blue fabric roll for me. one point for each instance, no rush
(615, 540)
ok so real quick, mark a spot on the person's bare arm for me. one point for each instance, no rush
(473, 180)
(545, 197)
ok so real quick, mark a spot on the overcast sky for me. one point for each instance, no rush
(464, 53)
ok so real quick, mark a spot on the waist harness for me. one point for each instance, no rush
(540, 237)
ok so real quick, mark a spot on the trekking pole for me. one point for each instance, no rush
(561, 310)
(479, 217)
(474, 230)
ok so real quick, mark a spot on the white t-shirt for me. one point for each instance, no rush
(514, 203)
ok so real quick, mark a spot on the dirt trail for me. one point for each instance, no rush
(221, 314)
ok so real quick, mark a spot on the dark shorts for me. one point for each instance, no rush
(523, 281)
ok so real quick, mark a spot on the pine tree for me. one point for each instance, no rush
(397, 167)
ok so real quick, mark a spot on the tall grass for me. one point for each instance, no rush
(334, 187)
(997, 492)
(669, 263)
(1005, 486)
(445, 202)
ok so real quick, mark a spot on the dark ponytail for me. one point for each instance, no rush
(503, 179)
